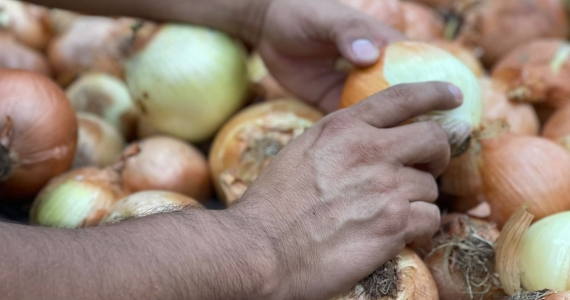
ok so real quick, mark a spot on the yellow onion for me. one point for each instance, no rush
(262, 82)
(187, 80)
(388, 11)
(498, 27)
(146, 203)
(422, 23)
(91, 43)
(410, 62)
(405, 277)
(537, 72)
(463, 54)
(249, 141)
(99, 144)
(170, 164)
(461, 259)
(28, 23)
(17, 56)
(557, 128)
(108, 97)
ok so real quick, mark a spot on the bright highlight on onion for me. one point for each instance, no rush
(19, 57)
(248, 142)
(405, 277)
(28, 23)
(187, 80)
(410, 62)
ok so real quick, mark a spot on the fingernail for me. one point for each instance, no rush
(456, 92)
(365, 50)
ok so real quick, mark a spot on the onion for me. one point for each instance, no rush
(99, 144)
(405, 277)
(422, 23)
(498, 27)
(263, 83)
(388, 11)
(541, 295)
(537, 72)
(250, 140)
(461, 259)
(168, 163)
(38, 133)
(408, 62)
(61, 19)
(557, 128)
(145, 129)
(108, 97)
(146, 203)
(91, 43)
(463, 54)
(17, 56)
(187, 80)
(28, 23)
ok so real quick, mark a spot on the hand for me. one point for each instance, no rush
(302, 40)
(343, 198)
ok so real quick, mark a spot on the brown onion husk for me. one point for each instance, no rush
(147, 203)
(557, 128)
(99, 144)
(91, 43)
(28, 23)
(498, 27)
(247, 143)
(170, 164)
(389, 12)
(15, 55)
(537, 72)
(461, 259)
(541, 295)
(263, 83)
(38, 133)
(463, 54)
(422, 23)
(404, 277)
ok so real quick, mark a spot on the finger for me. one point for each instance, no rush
(417, 185)
(404, 101)
(423, 223)
(423, 145)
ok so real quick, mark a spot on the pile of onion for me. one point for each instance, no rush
(186, 80)
(28, 23)
(422, 23)
(389, 12)
(557, 128)
(38, 133)
(146, 203)
(14, 55)
(170, 164)
(463, 54)
(498, 27)
(410, 62)
(461, 259)
(91, 43)
(99, 144)
(250, 140)
(405, 277)
(263, 83)
(537, 72)
(108, 97)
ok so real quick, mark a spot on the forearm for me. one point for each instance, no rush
(186, 255)
(242, 18)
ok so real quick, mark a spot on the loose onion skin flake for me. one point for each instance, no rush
(38, 133)
(15, 55)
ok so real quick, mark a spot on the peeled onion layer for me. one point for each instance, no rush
(389, 12)
(412, 62)
(247, 143)
(17, 56)
(422, 23)
(187, 80)
(262, 81)
(107, 96)
(27, 23)
(147, 203)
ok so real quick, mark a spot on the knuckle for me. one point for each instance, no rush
(397, 215)
(434, 216)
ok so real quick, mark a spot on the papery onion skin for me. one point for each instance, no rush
(412, 62)
(19, 57)
(415, 281)
(228, 148)
(545, 254)
(28, 23)
(498, 27)
(43, 135)
(463, 54)
(422, 23)
(99, 144)
(515, 169)
(170, 164)
(78, 198)
(196, 107)
(107, 96)
(263, 82)
(145, 203)
(537, 72)
(387, 11)
(557, 127)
